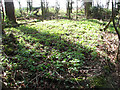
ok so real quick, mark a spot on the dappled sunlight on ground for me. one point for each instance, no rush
(62, 52)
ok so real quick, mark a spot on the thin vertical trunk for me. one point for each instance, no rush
(0, 15)
(118, 55)
(0, 45)
(2, 12)
(46, 7)
(67, 7)
(69, 11)
(118, 33)
(118, 64)
(2, 19)
(42, 9)
(30, 5)
(27, 5)
(0, 32)
(76, 9)
(71, 6)
(20, 7)
(116, 29)
(57, 7)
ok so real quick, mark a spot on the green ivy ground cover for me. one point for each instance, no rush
(57, 49)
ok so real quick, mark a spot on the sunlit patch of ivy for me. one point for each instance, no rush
(55, 47)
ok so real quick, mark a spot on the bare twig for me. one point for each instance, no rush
(107, 24)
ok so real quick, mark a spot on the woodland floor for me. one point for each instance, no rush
(60, 54)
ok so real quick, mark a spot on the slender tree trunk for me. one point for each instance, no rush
(46, 7)
(2, 12)
(118, 54)
(0, 46)
(116, 29)
(71, 6)
(27, 5)
(57, 8)
(0, 24)
(1, 31)
(10, 11)
(67, 7)
(69, 11)
(2, 18)
(20, 7)
(76, 9)
(42, 9)
(30, 5)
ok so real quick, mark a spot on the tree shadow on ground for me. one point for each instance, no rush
(50, 46)
(95, 21)
(52, 16)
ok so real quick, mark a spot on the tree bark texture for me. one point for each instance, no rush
(10, 11)
(88, 5)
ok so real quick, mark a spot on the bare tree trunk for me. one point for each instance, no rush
(57, 8)
(0, 22)
(46, 6)
(42, 9)
(116, 29)
(2, 12)
(87, 9)
(69, 11)
(76, 9)
(0, 45)
(10, 11)
(29, 5)
(118, 54)
(20, 7)
(0, 34)
(69, 8)
(2, 17)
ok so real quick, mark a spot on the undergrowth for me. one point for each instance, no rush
(53, 54)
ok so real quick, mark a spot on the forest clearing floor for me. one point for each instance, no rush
(59, 54)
